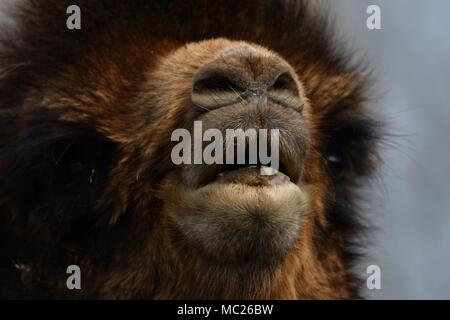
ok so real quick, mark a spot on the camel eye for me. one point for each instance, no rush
(335, 159)
(336, 162)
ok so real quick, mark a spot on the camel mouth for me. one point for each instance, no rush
(255, 176)
(242, 217)
(289, 170)
(246, 215)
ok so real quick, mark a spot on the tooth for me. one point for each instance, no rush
(267, 171)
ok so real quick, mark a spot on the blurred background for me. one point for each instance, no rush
(411, 206)
(411, 199)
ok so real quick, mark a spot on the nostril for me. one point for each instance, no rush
(285, 82)
(215, 90)
(285, 91)
(215, 82)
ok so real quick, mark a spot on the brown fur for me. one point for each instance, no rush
(86, 176)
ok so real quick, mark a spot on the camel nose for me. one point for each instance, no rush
(244, 75)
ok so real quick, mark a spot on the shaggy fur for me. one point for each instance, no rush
(85, 170)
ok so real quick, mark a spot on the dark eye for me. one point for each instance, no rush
(336, 162)
(350, 148)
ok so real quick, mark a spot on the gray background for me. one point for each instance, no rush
(411, 199)
(411, 206)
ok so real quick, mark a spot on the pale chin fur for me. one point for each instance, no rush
(230, 222)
